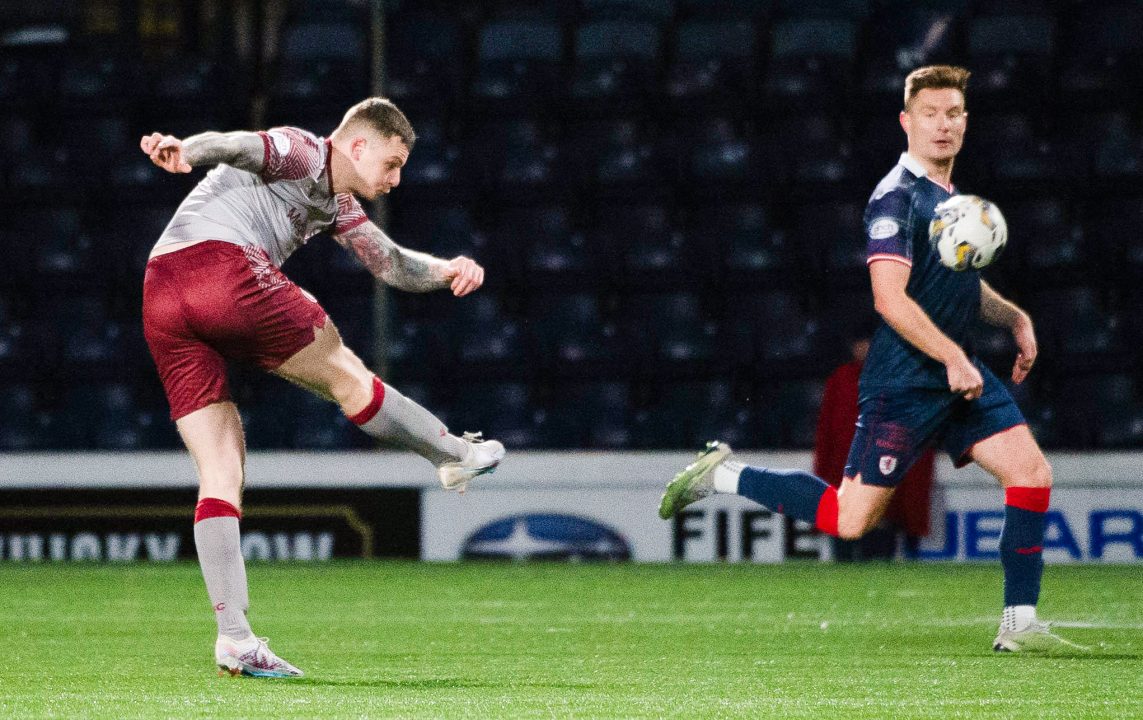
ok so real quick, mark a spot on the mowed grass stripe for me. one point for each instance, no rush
(400, 639)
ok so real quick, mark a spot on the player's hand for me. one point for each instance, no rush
(464, 275)
(964, 378)
(1026, 347)
(166, 151)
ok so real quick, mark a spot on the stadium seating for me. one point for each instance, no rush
(1102, 58)
(517, 61)
(714, 66)
(667, 196)
(20, 432)
(811, 61)
(616, 66)
(1012, 54)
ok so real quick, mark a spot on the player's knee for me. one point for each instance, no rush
(352, 392)
(851, 527)
(350, 382)
(1041, 475)
(220, 481)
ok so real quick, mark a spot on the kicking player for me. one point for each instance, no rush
(919, 386)
(213, 293)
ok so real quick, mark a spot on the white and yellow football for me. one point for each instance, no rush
(968, 232)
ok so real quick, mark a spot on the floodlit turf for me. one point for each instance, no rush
(493, 641)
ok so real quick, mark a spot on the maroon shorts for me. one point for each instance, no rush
(216, 301)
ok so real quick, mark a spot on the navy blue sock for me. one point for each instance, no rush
(1021, 544)
(794, 493)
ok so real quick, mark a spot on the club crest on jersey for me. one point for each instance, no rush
(882, 228)
(887, 464)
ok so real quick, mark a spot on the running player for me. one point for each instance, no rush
(213, 293)
(919, 386)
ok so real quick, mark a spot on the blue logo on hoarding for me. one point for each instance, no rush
(975, 535)
(546, 537)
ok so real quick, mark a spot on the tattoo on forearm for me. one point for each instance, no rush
(399, 267)
(242, 150)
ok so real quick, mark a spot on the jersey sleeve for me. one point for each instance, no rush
(350, 214)
(290, 154)
(888, 235)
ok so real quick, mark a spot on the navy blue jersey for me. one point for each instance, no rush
(897, 229)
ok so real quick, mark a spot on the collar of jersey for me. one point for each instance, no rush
(913, 165)
(329, 165)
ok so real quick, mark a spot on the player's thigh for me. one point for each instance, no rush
(1014, 458)
(327, 366)
(894, 428)
(213, 436)
(992, 431)
(193, 372)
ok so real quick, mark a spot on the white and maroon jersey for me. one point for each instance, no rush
(278, 209)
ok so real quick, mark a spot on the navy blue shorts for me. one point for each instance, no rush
(896, 425)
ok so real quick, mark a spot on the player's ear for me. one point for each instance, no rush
(904, 118)
(357, 148)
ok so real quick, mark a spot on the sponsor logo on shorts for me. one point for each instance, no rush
(893, 438)
(887, 464)
(882, 228)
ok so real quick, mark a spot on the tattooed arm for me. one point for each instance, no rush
(243, 150)
(407, 269)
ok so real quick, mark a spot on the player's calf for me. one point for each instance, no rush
(394, 418)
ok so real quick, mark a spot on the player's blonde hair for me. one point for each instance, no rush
(935, 76)
(382, 115)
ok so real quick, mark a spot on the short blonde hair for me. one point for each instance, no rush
(382, 115)
(935, 76)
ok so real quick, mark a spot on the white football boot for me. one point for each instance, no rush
(1036, 636)
(252, 657)
(483, 456)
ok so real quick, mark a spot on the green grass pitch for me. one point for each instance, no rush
(403, 639)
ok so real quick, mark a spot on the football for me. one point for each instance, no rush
(968, 232)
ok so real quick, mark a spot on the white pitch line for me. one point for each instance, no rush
(1095, 626)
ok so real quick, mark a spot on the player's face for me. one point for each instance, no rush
(935, 124)
(378, 165)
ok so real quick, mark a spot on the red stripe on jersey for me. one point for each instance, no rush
(350, 214)
(1033, 499)
(266, 150)
(329, 164)
(947, 188)
(889, 256)
(214, 507)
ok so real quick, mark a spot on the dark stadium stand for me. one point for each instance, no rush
(666, 194)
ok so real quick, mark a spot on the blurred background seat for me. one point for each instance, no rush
(667, 196)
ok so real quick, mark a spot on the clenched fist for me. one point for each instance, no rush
(465, 275)
(166, 151)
